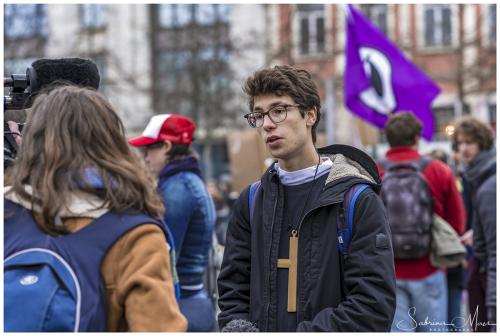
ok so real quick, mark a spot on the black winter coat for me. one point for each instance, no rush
(354, 294)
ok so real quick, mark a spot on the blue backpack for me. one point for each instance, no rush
(54, 283)
(344, 227)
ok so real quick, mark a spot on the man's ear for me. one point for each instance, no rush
(311, 116)
(168, 145)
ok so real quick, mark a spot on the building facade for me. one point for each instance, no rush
(159, 58)
(455, 44)
(113, 36)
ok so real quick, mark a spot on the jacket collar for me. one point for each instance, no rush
(189, 164)
(403, 153)
(350, 166)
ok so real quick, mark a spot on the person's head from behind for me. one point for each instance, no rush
(285, 107)
(439, 154)
(74, 141)
(166, 138)
(403, 129)
(472, 137)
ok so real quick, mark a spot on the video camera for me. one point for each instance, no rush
(21, 87)
(39, 75)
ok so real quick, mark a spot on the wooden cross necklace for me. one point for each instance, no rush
(292, 262)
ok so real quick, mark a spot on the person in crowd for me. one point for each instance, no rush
(439, 154)
(189, 209)
(475, 144)
(455, 275)
(222, 210)
(75, 192)
(285, 265)
(421, 288)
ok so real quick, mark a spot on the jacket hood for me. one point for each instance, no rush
(350, 162)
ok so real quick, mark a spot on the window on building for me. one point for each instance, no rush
(437, 25)
(377, 14)
(311, 28)
(170, 16)
(93, 16)
(210, 14)
(492, 24)
(206, 14)
(223, 12)
(175, 15)
(25, 21)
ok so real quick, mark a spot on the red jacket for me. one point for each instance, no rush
(447, 204)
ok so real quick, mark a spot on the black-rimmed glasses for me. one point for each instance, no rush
(277, 114)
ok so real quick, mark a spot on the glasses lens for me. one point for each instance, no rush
(278, 114)
(252, 121)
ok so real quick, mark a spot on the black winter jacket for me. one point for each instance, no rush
(481, 177)
(359, 297)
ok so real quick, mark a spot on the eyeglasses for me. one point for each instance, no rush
(277, 114)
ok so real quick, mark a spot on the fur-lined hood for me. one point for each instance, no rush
(350, 162)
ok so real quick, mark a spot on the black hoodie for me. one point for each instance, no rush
(359, 297)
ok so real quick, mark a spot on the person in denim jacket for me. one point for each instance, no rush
(189, 209)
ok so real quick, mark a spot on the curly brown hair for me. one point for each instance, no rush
(479, 132)
(69, 131)
(285, 80)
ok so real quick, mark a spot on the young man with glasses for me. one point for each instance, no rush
(189, 209)
(284, 267)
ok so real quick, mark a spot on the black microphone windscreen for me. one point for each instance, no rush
(240, 326)
(75, 70)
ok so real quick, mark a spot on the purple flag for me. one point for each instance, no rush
(380, 80)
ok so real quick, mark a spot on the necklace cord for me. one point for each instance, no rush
(294, 228)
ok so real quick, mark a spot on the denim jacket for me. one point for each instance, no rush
(190, 215)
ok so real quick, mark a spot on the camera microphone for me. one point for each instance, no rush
(45, 72)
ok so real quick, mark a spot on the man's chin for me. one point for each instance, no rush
(277, 153)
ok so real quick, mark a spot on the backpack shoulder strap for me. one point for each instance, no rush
(384, 163)
(252, 191)
(345, 223)
(422, 162)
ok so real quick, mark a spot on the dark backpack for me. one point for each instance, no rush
(346, 215)
(54, 284)
(409, 206)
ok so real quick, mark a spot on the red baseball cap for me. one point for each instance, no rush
(161, 127)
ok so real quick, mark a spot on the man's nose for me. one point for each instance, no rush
(268, 123)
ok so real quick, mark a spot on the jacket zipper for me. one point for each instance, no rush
(270, 247)
(298, 235)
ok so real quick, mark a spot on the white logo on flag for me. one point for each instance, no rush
(380, 96)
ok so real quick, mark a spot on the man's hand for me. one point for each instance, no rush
(14, 128)
(466, 238)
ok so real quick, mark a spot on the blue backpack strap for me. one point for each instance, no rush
(173, 260)
(345, 224)
(252, 191)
